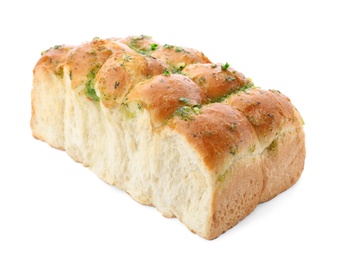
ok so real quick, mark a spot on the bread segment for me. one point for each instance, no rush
(193, 138)
(48, 97)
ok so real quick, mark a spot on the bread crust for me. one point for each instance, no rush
(214, 80)
(218, 133)
(194, 139)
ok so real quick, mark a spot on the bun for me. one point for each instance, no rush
(195, 139)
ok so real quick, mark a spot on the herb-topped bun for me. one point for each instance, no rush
(193, 138)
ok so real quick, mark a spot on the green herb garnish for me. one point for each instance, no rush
(225, 67)
(167, 72)
(230, 79)
(188, 112)
(178, 68)
(89, 90)
(154, 46)
(136, 44)
(168, 46)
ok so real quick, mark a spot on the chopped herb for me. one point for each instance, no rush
(273, 146)
(60, 72)
(233, 150)
(71, 75)
(214, 65)
(90, 91)
(167, 72)
(139, 106)
(202, 80)
(221, 177)
(91, 74)
(116, 84)
(55, 48)
(178, 49)
(154, 46)
(225, 67)
(230, 79)
(178, 68)
(184, 112)
(275, 91)
(144, 52)
(127, 57)
(196, 109)
(137, 45)
(187, 112)
(93, 52)
(184, 100)
(168, 46)
(95, 38)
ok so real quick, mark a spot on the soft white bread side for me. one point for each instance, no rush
(194, 139)
(48, 97)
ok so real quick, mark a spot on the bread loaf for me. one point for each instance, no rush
(193, 138)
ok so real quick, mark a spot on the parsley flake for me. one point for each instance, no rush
(167, 72)
(225, 67)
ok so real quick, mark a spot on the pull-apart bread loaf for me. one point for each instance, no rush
(193, 138)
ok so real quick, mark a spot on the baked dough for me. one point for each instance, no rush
(193, 138)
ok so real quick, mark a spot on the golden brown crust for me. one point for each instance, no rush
(142, 44)
(89, 57)
(53, 59)
(268, 111)
(214, 80)
(178, 58)
(163, 95)
(219, 133)
(121, 72)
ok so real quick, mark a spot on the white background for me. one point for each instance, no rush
(54, 208)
